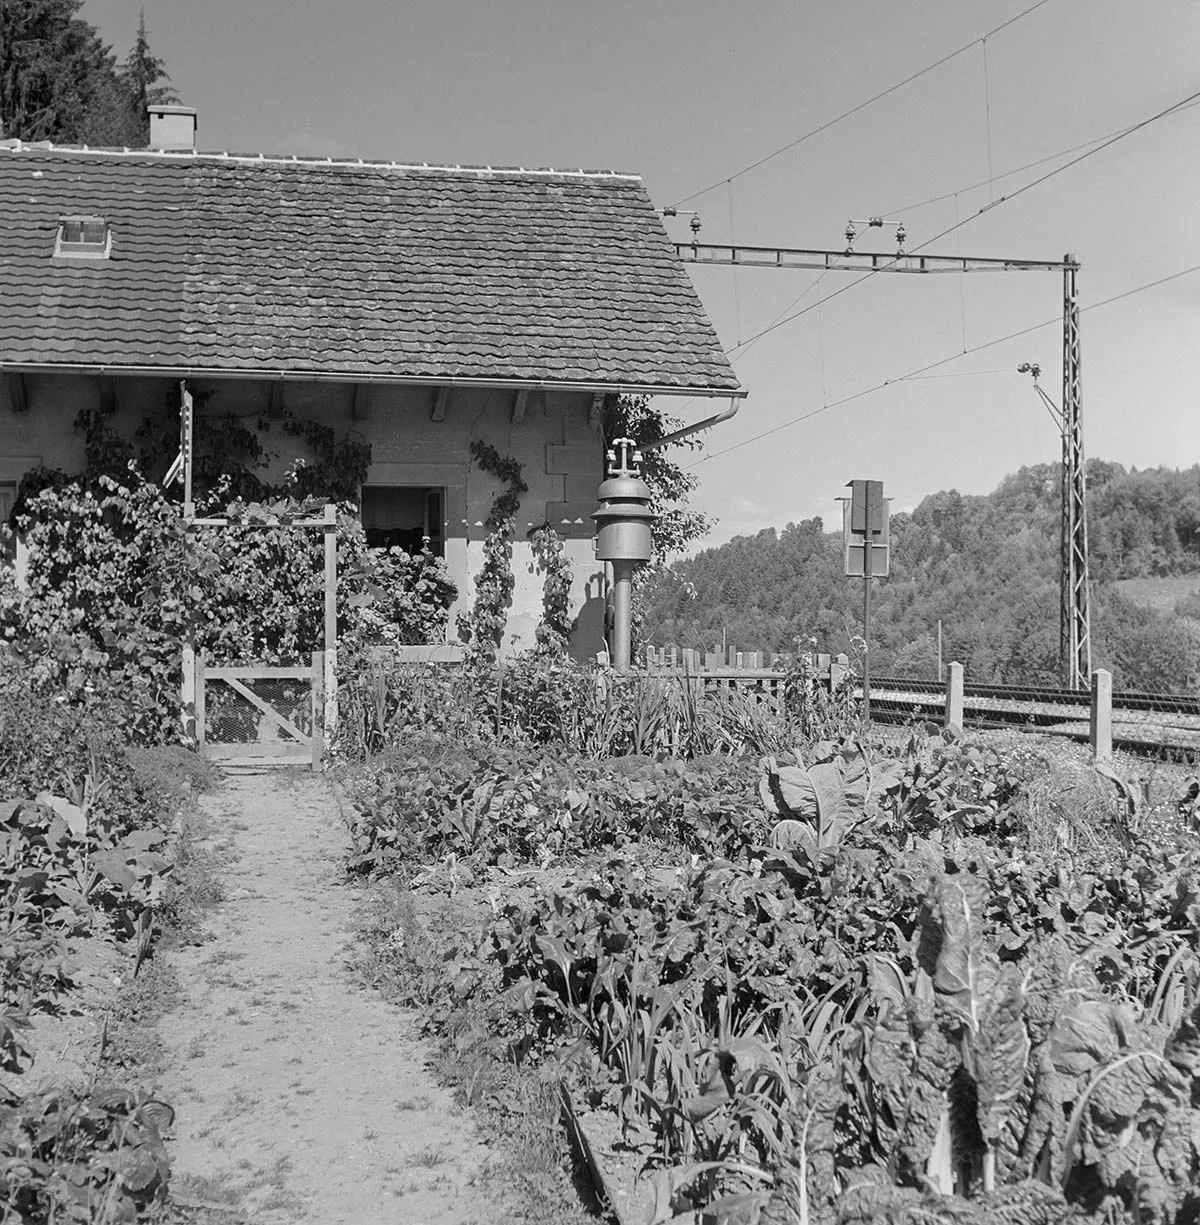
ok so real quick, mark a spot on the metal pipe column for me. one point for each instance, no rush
(622, 629)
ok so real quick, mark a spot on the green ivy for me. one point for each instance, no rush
(554, 630)
(482, 628)
(229, 450)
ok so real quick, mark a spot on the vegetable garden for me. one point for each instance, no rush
(784, 970)
(841, 980)
(88, 870)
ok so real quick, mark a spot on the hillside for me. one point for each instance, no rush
(986, 567)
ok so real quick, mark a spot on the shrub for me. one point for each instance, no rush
(49, 744)
(116, 585)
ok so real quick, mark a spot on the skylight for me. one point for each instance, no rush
(83, 238)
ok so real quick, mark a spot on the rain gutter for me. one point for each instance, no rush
(261, 374)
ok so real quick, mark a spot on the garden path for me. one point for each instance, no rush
(301, 1096)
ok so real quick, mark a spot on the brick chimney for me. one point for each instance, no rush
(173, 128)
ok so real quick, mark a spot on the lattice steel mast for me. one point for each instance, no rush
(1075, 634)
(1075, 643)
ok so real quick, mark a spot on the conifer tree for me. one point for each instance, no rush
(146, 81)
(59, 80)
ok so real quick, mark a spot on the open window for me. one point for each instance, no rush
(405, 517)
(83, 238)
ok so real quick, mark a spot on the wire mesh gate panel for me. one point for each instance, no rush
(260, 714)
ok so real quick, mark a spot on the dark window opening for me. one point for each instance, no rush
(8, 539)
(404, 517)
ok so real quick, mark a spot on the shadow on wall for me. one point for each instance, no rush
(588, 636)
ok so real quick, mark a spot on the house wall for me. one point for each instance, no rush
(561, 452)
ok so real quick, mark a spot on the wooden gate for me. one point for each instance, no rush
(260, 715)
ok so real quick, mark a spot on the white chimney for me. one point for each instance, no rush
(173, 128)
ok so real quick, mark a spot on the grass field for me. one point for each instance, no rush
(1159, 593)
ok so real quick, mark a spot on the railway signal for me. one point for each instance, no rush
(865, 551)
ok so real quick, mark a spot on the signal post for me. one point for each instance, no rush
(866, 555)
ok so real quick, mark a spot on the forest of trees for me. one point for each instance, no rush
(986, 567)
(59, 81)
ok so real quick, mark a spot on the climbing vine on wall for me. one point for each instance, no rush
(230, 450)
(554, 630)
(482, 628)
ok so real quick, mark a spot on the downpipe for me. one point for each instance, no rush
(667, 439)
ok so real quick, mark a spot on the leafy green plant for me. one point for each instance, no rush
(821, 803)
(817, 712)
(94, 1158)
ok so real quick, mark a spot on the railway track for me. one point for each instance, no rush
(1143, 721)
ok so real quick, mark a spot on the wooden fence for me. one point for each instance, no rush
(745, 671)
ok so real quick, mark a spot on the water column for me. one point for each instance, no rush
(623, 522)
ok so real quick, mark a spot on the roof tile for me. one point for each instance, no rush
(346, 267)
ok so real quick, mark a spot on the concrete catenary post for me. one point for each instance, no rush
(1101, 723)
(954, 696)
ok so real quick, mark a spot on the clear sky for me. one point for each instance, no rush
(690, 92)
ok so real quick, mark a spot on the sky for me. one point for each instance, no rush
(691, 93)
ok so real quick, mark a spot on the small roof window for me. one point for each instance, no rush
(83, 238)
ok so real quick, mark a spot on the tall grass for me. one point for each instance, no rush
(580, 709)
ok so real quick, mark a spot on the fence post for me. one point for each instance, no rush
(1101, 722)
(838, 667)
(318, 707)
(954, 696)
(691, 672)
(187, 693)
(200, 712)
(330, 653)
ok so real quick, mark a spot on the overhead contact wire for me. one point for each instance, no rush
(1007, 174)
(923, 371)
(861, 106)
(1005, 199)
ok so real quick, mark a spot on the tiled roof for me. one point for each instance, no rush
(241, 264)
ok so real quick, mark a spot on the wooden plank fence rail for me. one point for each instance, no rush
(259, 674)
(761, 673)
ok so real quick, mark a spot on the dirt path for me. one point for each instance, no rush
(300, 1096)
